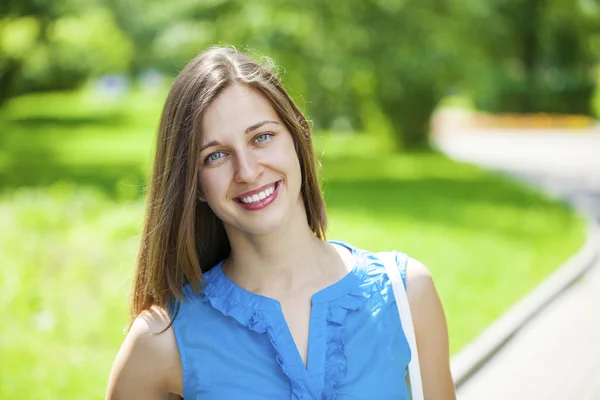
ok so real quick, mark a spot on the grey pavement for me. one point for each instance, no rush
(556, 355)
(565, 164)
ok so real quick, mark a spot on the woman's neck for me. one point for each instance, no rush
(283, 262)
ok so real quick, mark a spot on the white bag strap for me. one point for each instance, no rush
(414, 371)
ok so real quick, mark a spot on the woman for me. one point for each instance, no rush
(237, 294)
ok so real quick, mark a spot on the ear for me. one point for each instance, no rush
(201, 198)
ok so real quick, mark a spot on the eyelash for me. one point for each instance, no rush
(268, 136)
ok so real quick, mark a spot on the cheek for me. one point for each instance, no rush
(210, 185)
(288, 157)
(294, 161)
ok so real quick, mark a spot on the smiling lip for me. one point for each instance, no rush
(259, 205)
(256, 191)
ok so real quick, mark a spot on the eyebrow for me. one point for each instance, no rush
(248, 130)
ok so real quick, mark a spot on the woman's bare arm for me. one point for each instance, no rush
(431, 333)
(147, 365)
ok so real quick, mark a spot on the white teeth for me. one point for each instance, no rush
(259, 196)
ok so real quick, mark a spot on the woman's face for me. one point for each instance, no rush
(249, 173)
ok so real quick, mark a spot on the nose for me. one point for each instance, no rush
(247, 168)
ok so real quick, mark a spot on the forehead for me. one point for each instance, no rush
(236, 108)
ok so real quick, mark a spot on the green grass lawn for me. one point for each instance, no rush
(68, 245)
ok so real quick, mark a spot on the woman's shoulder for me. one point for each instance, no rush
(149, 350)
(152, 331)
(413, 272)
(374, 262)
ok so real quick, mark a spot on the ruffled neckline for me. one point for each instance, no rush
(218, 284)
(264, 315)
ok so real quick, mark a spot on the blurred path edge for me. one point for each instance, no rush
(564, 163)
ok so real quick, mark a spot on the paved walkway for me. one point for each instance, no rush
(564, 164)
(557, 354)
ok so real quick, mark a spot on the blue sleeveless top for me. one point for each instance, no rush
(235, 344)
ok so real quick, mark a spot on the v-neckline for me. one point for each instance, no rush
(317, 340)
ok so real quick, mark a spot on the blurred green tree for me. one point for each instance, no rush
(167, 34)
(540, 55)
(379, 65)
(375, 65)
(57, 45)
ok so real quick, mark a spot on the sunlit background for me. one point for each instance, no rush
(82, 84)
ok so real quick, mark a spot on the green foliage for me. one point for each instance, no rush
(540, 57)
(66, 261)
(79, 138)
(91, 42)
(353, 65)
(58, 48)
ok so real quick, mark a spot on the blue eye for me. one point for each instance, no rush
(216, 156)
(263, 137)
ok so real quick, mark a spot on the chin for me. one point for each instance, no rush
(263, 225)
(270, 220)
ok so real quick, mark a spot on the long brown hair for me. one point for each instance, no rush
(182, 237)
